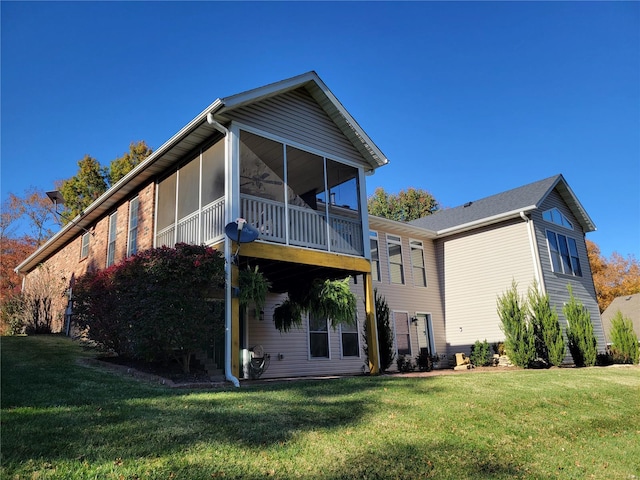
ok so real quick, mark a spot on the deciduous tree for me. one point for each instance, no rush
(83, 188)
(119, 167)
(404, 206)
(614, 276)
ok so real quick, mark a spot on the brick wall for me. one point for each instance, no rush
(66, 264)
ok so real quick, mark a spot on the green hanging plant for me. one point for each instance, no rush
(332, 299)
(286, 315)
(254, 287)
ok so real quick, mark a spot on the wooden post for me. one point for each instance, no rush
(372, 328)
(235, 322)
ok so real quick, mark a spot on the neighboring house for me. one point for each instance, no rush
(291, 160)
(531, 233)
(629, 306)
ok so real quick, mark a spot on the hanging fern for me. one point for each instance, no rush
(332, 299)
(287, 315)
(254, 287)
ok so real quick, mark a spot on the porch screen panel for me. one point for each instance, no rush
(188, 188)
(344, 208)
(213, 173)
(166, 202)
(306, 197)
(261, 167)
(403, 341)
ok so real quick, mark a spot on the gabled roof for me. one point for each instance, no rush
(504, 206)
(193, 134)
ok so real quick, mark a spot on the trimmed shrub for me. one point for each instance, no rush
(546, 327)
(624, 340)
(480, 354)
(582, 341)
(153, 305)
(519, 336)
(385, 334)
(405, 364)
(424, 361)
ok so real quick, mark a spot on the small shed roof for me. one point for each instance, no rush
(629, 305)
(503, 206)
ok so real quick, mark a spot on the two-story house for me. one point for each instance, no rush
(291, 161)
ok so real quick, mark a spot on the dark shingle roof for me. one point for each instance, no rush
(502, 205)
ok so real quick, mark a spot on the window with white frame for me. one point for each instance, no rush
(417, 263)
(349, 339)
(132, 242)
(396, 270)
(563, 251)
(375, 256)
(111, 247)
(403, 338)
(84, 248)
(318, 337)
(554, 215)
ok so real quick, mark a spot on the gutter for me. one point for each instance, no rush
(537, 267)
(228, 272)
(150, 160)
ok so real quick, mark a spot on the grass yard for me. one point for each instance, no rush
(61, 419)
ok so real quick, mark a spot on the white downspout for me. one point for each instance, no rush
(227, 258)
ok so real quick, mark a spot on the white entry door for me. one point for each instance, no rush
(425, 333)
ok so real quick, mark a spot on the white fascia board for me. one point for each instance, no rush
(175, 139)
(386, 224)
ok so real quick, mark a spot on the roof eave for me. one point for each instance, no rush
(116, 192)
(485, 221)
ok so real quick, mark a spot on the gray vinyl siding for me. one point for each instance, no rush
(296, 116)
(556, 283)
(477, 267)
(411, 299)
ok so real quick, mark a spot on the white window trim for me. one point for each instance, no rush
(318, 359)
(136, 198)
(563, 218)
(391, 239)
(86, 235)
(357, 334)
(571, 273)
(373, 234)
(115, 234)
(395, 337)
(424, 262)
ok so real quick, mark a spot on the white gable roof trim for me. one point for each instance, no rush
(189, 137)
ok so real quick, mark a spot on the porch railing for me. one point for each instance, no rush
(306, 227)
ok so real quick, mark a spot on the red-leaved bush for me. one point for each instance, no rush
(154, 305)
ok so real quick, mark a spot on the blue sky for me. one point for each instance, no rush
(465, 99)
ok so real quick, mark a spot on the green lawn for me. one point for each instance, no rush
(61, 419)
